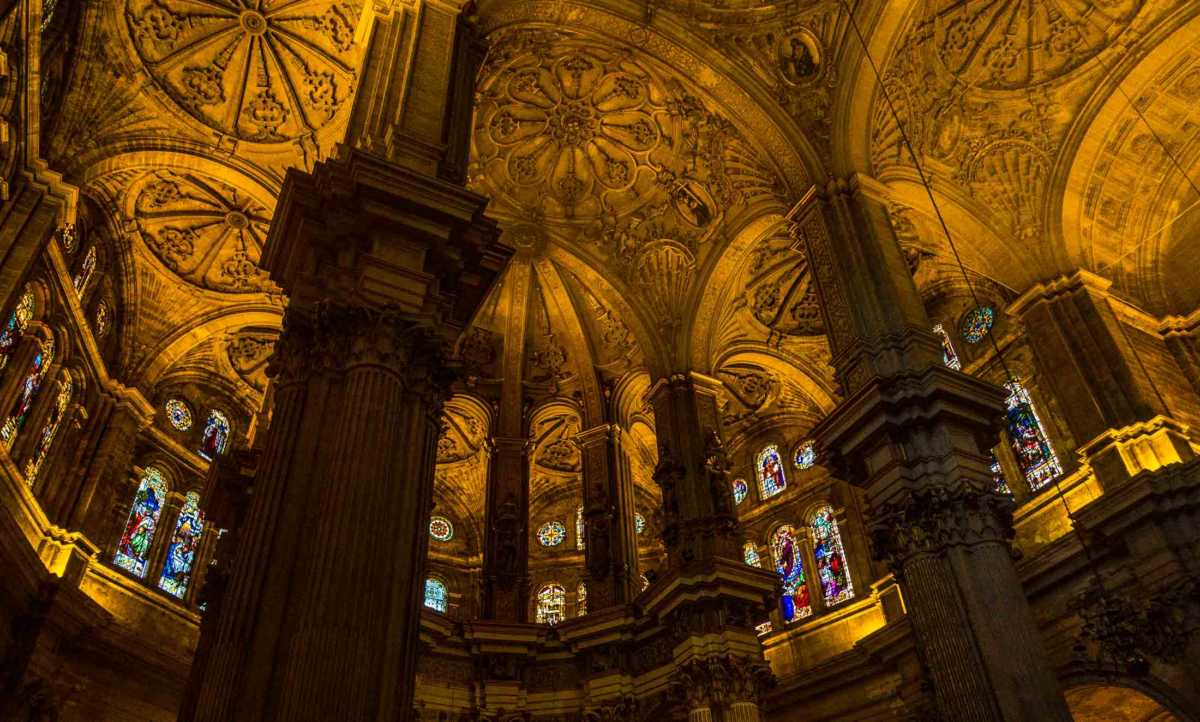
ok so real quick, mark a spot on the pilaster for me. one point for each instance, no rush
(608, 511)
(506, 552)
(915, 435)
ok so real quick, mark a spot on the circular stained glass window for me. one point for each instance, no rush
(639, 523)
(739, 490)
(441, 529)
(977, 323)
(552, 534)
(179, 415)
(806, 455)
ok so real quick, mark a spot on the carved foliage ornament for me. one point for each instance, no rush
(779, 289)
(249, 349)
(267, 72)
(207, 232)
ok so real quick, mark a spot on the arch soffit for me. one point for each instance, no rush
(214, 324)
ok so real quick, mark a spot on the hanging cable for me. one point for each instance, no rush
(1011, 386)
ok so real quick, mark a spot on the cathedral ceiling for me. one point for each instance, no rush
(1021, 113)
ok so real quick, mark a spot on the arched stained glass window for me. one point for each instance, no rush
(976, 323)
(179, 414)
(580, 529)
(769, 466)
(551, 604)
(1035, 456)
(949, 355)
(794, 604)
(806, 455)
(750, 554)
(133, 549)
(739, 490)
(639, 523)
(15, 325)
(581, 600)
(29, 389)
(216, 434)
(832, 571)
(551, 534)
(435, 594)
(441, 529)
(181, 554)
(86, 269)
(103, 318)
(49, 429)
(645, 582)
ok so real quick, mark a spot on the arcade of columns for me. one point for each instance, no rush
(972, 604)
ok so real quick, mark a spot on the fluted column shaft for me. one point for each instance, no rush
(916, 436)
(608, 511)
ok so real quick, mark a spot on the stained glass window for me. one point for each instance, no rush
(441, 529)
(831, 558)
(1001, 484)
(181, 554)
(29, 389)
(552, 533)
(103, 316)
(739, 490)
(581, 600)
(771, 480)
(806, 455)
(977, 323)
(551, 604)
(580, 529)
(179, 414)
(133, 549)
(750, 554)
(645, 581)
(435, 594)
(639, 523)
(68, 238)
(216, 434)
(949, 355)
(86, 269)
(1034, 454)
(49, 429)
(764, 628)
(15, 326)
(794, 604)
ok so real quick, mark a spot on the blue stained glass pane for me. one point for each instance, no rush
(739, 490)
(977, 323)
(806, 455)
(551, 534)
(435, 595)
(134, 546)
(831, 558)
(181, 554)
(1032, 448)
(216, 434)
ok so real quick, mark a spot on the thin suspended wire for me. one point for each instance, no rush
(1087, 551)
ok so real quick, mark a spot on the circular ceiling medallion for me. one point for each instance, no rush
(206, 231)
(270, 72)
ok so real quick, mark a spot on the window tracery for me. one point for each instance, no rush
(639, 523)
(29, 390)
(440, 529)
(178, 414)
(771, 479)
(551, 604)
(102, 319)
(181, 554)
(86, 269)
(740, 490)
(806, 455)
(750, 554)
(580, 530)
(216, 435)
(15, 326)
(976, 323)
(1035, 455)
(581, 599)
(435, 595)
(785, 547)
(551, 534)
(133, 549)
(49, 429)
(949, 355)
(832, 570)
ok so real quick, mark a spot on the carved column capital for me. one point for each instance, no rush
(721, 681)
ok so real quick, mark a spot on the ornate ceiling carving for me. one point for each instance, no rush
(1014, 44)
(248, 351)
(206, 231)
(779, 292)
(269, 72)
(555, 449)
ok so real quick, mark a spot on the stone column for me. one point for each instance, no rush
(608, 509)
(722, 686)
(699, 516)
(506, 548)
(916, 436)
(1127, 419)
(104, 492)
